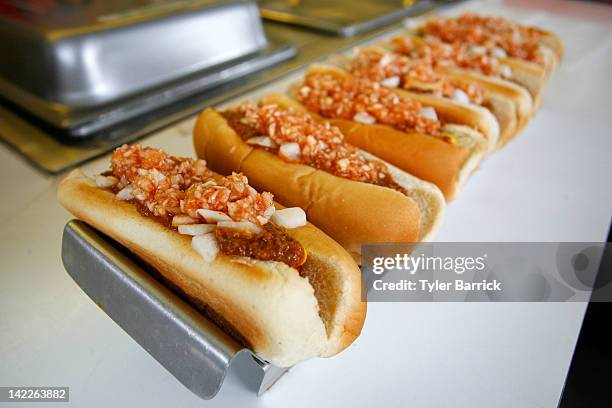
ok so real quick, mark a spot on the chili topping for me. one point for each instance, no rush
(359, 99)
(414, 74)
(452, 55)
(183, 194)
(515, 40)
(297, 137)
(272, 244)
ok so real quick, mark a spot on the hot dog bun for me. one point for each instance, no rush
(550, 59)
(267, 305)
(351, 212)
(529, 75)
(468, 115)
(509, 102)
(446, 165)
(554, 42)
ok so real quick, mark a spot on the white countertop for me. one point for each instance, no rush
(551, 184)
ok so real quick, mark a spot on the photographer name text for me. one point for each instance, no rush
(433, 286)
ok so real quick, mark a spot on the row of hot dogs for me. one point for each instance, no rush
(368, 148)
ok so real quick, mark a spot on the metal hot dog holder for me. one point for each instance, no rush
(192, 348)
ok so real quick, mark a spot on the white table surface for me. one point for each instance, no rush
(550, 184)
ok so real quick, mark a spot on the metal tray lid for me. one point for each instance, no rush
(86, 54)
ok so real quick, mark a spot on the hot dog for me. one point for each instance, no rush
(274, 281)
(352, 196)
(500, 35)
(392, 126)
(491, 113)
(474, 59)
(528, 55)
(445, 62)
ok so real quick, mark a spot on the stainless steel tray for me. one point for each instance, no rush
(189, 346)
(341, 17)
(79, 124)
(73, 65)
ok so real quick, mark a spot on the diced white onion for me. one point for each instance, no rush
(206, 246)
(182, 220)
(478, 50)
(212, 216)
(505, 71)
(157, 176)
(293, 217)
(499, 52)
(126, 193)
(365, 118)
(305, 90)
(291, 151)
(343, 163)
(196, 229)
(459, 96)
(429, 113)
(246, 226)
(391, 82)
(386, 59)
(105, 181)
(269, 211)
(264, 141)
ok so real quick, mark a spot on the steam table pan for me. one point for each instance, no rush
(88, 65)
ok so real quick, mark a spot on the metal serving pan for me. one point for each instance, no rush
(68, 64)
(341, 17)
(193, 349)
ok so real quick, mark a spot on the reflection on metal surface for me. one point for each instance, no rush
(85, 123)
(341, 17)
(189, 346)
